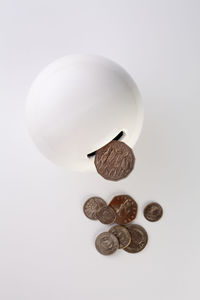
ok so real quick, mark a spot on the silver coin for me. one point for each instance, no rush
(92, 206)
(106, 215)
(139, 238)
(106, 243)
(153, 212)
(114, 161)
(122, 234)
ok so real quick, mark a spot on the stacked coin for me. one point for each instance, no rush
(132, 238)
(122, 210)
(95, 208)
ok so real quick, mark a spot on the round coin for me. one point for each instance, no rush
(122, 234)
(153, 212)
(139, 238)
(106, 215)
(114, 161)
(92, 206)
(106, 243)
(125, 208)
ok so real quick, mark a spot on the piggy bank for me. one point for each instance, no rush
(79, 103)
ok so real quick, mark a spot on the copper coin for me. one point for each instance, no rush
(114, 161)
(139, 238)
(106, 243)
(122, 234)
(125, 208)
(153, 212)
(92, 206)
(106, 215)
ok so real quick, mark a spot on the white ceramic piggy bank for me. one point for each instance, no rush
(78, 104)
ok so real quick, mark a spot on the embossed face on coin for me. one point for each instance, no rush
(92, 206)
(114, 161)
(139, 238)
(122, 234)
(106, 215)
(125, 208)
(106, 243)
(153, 212)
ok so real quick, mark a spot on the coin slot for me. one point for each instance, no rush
(115, 139)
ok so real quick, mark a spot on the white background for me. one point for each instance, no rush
(46, 243)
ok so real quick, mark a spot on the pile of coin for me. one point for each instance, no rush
(131, 238)
(121, 210)
(115, 161)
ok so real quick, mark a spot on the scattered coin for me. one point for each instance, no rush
(122, 210)
(92, 206)
(153, 212)
(122, 234)
(106, 215)
(139, 238)
(125, 208)
(114, 161)
(106, 243)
